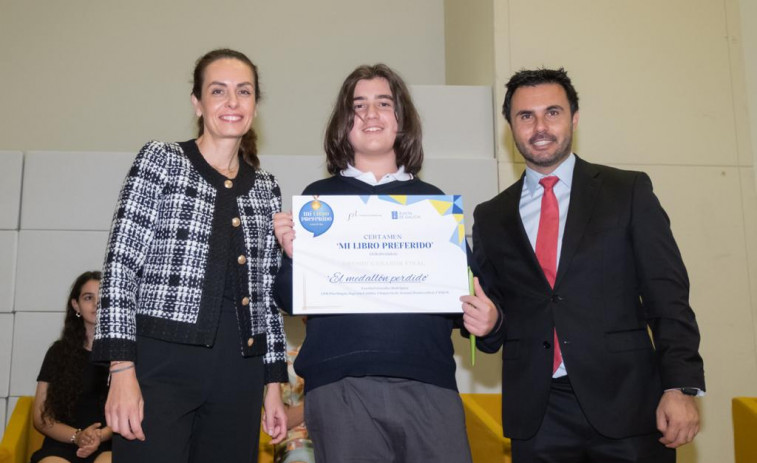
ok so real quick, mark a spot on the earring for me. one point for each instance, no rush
(78, 315)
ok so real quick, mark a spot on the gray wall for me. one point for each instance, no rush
(108, 75)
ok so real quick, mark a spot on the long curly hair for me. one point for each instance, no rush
(67, 375)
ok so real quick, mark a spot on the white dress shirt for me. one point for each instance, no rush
(370, 179)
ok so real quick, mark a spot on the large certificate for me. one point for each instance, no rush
(378, 254)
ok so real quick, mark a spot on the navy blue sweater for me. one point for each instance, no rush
(412, 346)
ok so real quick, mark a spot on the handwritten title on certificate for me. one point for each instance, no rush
(378, 254)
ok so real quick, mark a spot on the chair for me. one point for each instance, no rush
(483, 420)
(20, 439)
(744, 411)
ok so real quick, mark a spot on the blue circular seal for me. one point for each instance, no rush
(316, 217)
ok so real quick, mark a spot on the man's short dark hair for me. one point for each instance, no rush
(532, 78)
(408, 145)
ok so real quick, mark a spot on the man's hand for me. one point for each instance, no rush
(677, 418)
(479, 312)
(283, 228)
(124, 409)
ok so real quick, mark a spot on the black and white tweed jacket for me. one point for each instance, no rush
(176, 225)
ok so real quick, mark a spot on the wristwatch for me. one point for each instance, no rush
(692, 391)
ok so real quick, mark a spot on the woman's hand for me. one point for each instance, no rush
(274, 415)
(283, 228)
(124, 409)
(88, 440)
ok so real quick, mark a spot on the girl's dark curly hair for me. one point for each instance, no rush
(66, 379)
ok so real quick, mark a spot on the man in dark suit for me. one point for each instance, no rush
(599, 344)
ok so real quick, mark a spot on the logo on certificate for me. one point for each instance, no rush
(316, 217)
(404, 215)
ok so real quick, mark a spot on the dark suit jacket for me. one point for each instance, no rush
(620, 273)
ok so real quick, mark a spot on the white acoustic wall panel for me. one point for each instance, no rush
(11, 169)
(475, 179)
(457, 120)
(33, 333)
(12, 400)
(11, 404)
(72, 191)
(5, 415)
(8, 248)
(295, 172)
(6, 344)
(48, 263)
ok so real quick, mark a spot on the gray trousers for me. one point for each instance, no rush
(387, 420)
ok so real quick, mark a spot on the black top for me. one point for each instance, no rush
(412, 346)
(90, 406)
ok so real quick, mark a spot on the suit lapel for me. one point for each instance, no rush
(513, 223)
(583, 195)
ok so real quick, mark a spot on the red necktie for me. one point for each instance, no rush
(546, 245)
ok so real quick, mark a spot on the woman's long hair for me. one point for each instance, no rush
(67, 375)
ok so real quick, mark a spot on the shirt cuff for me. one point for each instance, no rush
(700, 393)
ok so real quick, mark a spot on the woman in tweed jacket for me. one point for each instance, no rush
(187, 318)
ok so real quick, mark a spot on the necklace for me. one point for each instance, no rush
(229, 172)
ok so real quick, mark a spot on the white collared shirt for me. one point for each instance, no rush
(370, 179)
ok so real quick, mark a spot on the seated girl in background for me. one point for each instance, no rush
(70, 400)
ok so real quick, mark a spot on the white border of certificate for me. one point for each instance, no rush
(378, 254)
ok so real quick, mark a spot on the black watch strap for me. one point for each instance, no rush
(690, 391)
